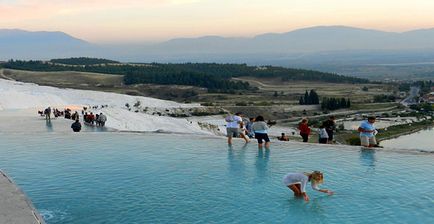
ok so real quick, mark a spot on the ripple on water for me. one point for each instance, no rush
(136, 178)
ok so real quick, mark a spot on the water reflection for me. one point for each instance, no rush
(236, 160)
(261, 164)
(367, 158)
(303, 208)
(49, 125)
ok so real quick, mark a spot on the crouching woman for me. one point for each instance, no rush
(297, 183)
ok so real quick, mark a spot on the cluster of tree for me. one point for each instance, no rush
(425, 86)
(335, 103)
(425, 107)
(209, 75)
(212, 83)
(83, 61)
(309, 98)
(404, 87)
(384, 98)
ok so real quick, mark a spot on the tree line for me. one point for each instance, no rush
(309, 98)
(212, 83)
(215, 77)
(83, 61)
(335, 103)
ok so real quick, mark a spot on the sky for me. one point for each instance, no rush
(132, 21)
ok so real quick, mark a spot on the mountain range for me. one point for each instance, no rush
(21, 44)
(322, 45)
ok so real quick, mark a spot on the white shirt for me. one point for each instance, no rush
(235, 123)
(323, 133)
(298, 178)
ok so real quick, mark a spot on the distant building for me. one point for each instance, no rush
(261, 68)
(402, 94)
(429, 98)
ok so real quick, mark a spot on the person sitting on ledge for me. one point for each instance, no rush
(283, 137)
(297, 183)
(76, 126)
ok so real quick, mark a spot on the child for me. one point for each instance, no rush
(323, 136)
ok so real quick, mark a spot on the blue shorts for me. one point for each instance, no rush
(262, 136)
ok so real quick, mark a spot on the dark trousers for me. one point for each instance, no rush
(305, 137)
(330, 133)
(323, 140)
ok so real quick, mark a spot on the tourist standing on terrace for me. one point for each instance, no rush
(249, 129)
(91, 117)
(47, 113)
(260, 128)
(304, 130)
(234, 127)
(367, 133)
(297, 183)
(102, 119)
(330, 126)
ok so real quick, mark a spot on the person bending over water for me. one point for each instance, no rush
(297, 183)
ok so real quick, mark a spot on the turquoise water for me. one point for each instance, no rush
(145, 178)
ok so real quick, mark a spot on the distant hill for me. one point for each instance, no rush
(15, 43)
(312, 48)
(324, 48)
(314, 39)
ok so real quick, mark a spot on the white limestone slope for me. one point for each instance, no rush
(17, 95)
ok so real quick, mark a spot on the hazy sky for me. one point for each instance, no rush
(155, 20)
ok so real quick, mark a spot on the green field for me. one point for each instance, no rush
(274, 98)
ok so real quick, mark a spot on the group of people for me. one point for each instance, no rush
(239, 126)
(366, 129)
(325, 130)
(47, 113)
(97, 119)
(258, 128)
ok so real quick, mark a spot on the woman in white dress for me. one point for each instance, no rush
(297, 183)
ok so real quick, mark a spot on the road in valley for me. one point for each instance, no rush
(413, 98)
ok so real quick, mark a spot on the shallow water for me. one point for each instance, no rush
(422, 140)
(136, 178)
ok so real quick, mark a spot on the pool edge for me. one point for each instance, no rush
(19, 200)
